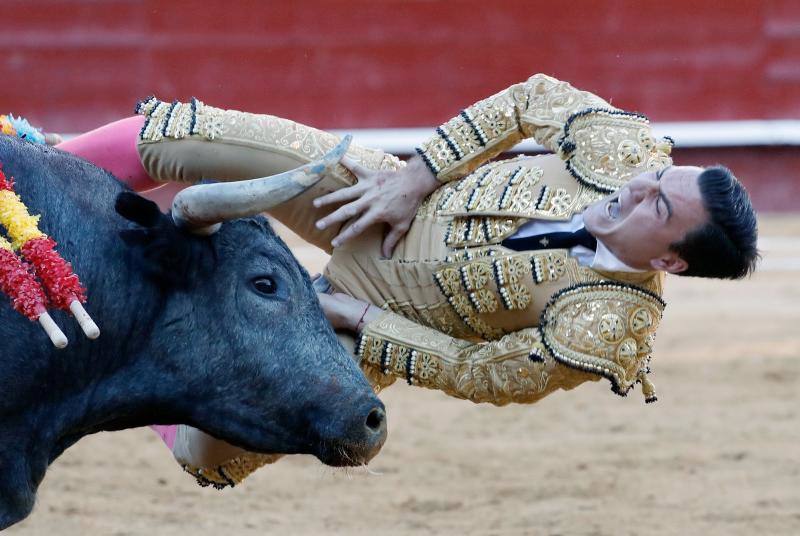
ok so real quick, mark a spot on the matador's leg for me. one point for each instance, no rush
(192, 141)
(113, 148)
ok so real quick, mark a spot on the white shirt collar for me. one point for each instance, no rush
(601, 259)
(606, 261)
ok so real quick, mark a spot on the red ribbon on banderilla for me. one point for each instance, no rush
(33, 274)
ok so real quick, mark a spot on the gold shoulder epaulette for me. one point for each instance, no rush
(604, 148)
(606, 328)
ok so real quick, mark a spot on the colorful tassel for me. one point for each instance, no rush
(18, 283)
(25, 130)
(62, 286)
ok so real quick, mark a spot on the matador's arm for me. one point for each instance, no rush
(586, 332)
(515, 368)
(537, 108)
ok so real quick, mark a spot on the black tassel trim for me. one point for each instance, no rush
(481, 138)
(144, 127)
(193, 123)
(169, 116)
(410, 368)
(587, 111)
(385, 359)
(139, 107)
(542, 194)
(536, 357)
(225, 477)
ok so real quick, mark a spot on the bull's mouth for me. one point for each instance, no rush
(341, 454)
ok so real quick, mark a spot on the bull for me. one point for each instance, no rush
(219, 330)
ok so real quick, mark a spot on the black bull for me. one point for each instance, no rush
(223, 333)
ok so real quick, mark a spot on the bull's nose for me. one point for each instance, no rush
(376, 421)
(356, 438)
(374, 432)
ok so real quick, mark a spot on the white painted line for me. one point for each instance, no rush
(687, 134)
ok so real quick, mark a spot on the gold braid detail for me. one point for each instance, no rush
(232, 472)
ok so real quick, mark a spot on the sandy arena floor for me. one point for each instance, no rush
(719, 454)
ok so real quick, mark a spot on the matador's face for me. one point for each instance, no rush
(655, 209)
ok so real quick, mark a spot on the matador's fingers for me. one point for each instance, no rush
(355, 167)
(391, 240)
(342, 214)
(345, 194)
(355, 229)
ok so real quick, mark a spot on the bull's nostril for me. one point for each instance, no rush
(375, 419)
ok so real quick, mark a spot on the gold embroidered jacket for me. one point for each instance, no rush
(463, 313)
(502, 326)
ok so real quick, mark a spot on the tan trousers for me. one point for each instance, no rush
(254, 145)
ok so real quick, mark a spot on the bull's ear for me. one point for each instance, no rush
(164, 252)
(138, 209)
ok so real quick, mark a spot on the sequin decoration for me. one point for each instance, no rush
(574, 315)
(604, 148)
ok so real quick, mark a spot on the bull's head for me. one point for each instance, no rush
(222, 331)
(267, 372)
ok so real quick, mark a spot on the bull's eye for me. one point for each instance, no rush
(265, 285)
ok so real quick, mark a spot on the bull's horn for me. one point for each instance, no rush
(201, 208)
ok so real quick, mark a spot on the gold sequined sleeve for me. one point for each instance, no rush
(537, 108)
(515, 368)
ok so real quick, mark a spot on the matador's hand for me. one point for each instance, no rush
(346, 312)
(392, 197)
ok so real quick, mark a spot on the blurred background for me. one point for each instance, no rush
(718, 454)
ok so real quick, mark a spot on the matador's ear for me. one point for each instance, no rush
(163, 250)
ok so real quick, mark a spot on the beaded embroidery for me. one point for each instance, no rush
(590, 327)
(464, 291)
(604, 148)
(178, 120)
(474, 128)
(416, 367)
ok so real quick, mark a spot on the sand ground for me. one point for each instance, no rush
(719, 454)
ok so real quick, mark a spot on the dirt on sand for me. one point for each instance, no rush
(719, 454)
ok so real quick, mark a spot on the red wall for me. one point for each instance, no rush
(73, 64)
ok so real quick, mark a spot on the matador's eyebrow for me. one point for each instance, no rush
(667, 203)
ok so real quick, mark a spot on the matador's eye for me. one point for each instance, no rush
(265, 285)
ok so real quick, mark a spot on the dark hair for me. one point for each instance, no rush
(725, 246)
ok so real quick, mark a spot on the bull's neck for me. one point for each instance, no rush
(139, 394)
(131, 396)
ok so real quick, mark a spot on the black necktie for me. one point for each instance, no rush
(581, 237)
